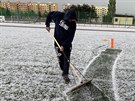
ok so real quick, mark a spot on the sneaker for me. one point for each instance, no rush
(66, 79)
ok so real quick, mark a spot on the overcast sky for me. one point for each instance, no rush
(122, 6)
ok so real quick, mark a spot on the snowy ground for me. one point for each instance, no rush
(29, 69)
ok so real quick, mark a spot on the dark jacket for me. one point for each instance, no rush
(64, 30)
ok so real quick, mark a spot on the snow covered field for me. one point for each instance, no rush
(29, 69)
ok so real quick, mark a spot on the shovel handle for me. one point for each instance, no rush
(56, 41)
(73, 68)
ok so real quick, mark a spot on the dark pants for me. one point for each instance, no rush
(64, 61)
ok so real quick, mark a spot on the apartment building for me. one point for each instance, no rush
(22, 6)
(54, 7)
(42, 7)
(101, 11)
(13, 6)
(65, 6)
(3, 5)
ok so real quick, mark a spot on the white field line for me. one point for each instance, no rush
(115, 89)
(90, 63)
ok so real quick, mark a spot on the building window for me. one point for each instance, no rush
(116, 19)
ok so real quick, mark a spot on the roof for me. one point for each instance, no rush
(120, 15)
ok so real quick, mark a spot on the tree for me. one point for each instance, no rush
(112, 8)
(39, 14)
(84, 12)
(93, 12)
(2, 11)
(107, 18)
(111, 12)
(8, 13)
(45, 14)
(32, 13)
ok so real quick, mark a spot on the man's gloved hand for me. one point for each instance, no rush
(61, 48)
(48, 29)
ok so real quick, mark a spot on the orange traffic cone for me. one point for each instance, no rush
(112, 43)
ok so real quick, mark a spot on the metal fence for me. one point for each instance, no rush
(16, 19)
(36, 19)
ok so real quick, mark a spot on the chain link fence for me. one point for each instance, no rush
(82, 19)
(20, 19)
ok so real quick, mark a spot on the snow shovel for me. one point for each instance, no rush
(75, 70)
